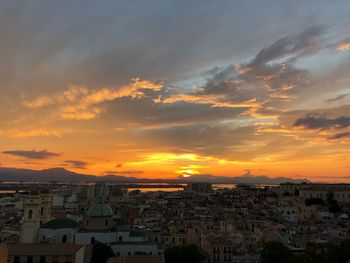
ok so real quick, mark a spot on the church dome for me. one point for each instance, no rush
(100, 210)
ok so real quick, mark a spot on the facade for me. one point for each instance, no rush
(309, 190)
(60, 230)
(36, 210)
(226, 247)
(200, 187)
(31, 219)
(99, 217)
(49, 253)
(137, 259)
(3, 253)
(134, 248)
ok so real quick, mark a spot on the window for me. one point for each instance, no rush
(30, 259)
(92, 240)
(42, 210)
(120, 238)
(30, 214)
(106, 222)
(64, 239)
(42, 259)
(16, 259)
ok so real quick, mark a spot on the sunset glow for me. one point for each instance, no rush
(175, 89)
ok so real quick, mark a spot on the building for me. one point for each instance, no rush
(341, 192)
(3, 253)
(137, 259)
(97, 225)
(133, 248)
(36, 210)
(31, 219)
(49, 253)
(199, 187)
(99, 217)
(59, 230)
(226, 247)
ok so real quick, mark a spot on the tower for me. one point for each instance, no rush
(31, 218)
(45, 209)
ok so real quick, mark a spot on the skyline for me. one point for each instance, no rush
(175, 89)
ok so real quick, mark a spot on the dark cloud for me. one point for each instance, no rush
(127, 172)
(77, 164)
(269, 78)
(44, 154)
(337, 98)
(296, 45)
(317, 121)
(340, 136)
(144, 113)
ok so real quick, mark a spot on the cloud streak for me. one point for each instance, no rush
(81, 103)
(78, 164)
(33, 154)
(317, 121)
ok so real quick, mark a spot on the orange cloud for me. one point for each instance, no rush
(80, 103)
(343, 45)
(32, 133)
(214, 100)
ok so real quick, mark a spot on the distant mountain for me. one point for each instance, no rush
(244, 179)
(55, 174)
(63, 175)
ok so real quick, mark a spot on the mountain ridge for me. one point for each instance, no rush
(63, 175)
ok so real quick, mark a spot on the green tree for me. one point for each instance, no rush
(183, 254)
(101, 252)
(333, 206)
(276, 252)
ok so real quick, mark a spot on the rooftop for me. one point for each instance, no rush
(43, 249)
(58, 223)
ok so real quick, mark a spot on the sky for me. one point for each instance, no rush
(167, 89)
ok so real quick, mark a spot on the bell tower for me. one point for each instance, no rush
(31, 218)
(45, 209)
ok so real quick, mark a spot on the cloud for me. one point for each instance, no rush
(77, 164)
(295, 45)
(33, 133)
(343, 45)
(126, 172)
(337, 98)
(269, 77)
(317, 121)
(81, 103)
(215, 100)
(44, 154)
(340, 136)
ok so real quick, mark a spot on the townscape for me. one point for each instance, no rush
(64, 222)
